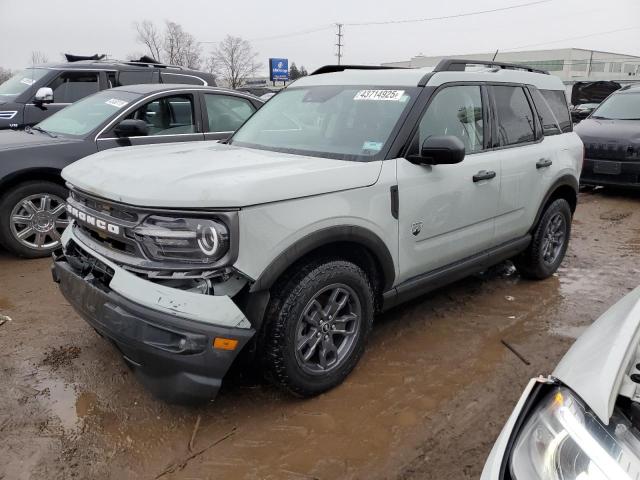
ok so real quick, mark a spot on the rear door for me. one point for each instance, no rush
(446, 214)
(171, 117)
(525, 159)
(224, 114)
(68, 87)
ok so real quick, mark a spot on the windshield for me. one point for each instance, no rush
(21, 81)
(87, 114)
(343, 122)
(621, 106)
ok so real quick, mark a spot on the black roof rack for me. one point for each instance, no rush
(342, 68)
(459, 65)
(80, 58)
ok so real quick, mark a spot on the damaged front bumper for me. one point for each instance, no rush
(167, 335)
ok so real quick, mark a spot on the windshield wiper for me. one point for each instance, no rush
(40, 129)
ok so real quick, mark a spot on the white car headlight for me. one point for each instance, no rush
(564, 440)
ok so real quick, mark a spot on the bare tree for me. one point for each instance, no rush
(38, 57)
(151, 38)
(5, 74)
(234, 61)
(180, 47)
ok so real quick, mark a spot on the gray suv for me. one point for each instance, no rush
(351, 191)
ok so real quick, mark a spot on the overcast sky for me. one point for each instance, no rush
(88, 26)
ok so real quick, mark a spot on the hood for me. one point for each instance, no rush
(597, 363)
(17, 139)
(592, 92)
(212, 175)
(624, 132)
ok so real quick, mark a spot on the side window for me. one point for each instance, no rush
(516, 123)
(180, 78)
(135, 77)
(454, 111)
(168, 115)
(111, 80)
(550, 124)
(72, 86)
(226, 113)
(557, 101)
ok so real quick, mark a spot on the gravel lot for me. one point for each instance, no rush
(426, 402)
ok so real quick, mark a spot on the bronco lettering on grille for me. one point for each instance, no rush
(93, 221)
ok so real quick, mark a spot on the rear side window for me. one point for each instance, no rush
(516, 122)
(135, 77)
(72, 86)
(557, 101)
(180, 78)
(226, 113)
(550, 123)
(168, 115)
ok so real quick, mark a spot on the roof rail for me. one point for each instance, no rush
(458, 65)
(342, 68)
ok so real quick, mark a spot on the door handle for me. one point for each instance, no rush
(543, 163)
(484, 175)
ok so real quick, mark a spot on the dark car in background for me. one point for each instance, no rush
(586, 96)
(611, 137)
(32, 193)
(33, 94)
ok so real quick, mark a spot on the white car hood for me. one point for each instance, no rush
(212, 175)
(596, 367)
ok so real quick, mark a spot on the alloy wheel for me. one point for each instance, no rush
(554, 238)
(37, 221)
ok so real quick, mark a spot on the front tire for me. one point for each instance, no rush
(549, 243)
(32, 218)
(317, 325)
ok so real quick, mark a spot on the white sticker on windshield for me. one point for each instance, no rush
(372, 146)
(388, 95)
(114, 102)
(28, 81)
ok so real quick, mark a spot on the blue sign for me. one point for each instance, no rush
(279, 69)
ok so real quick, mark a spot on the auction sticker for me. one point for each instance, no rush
(388, 95)
(28, 81)
(114, 102)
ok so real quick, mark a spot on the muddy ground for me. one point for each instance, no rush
(426, 402)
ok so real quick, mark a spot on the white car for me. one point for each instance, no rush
(582, 422)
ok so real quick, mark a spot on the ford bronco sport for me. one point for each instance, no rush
(354, 189)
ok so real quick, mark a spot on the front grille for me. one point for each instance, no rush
(607, 151)
(111, 209)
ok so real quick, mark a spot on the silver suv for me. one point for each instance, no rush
(351, 191)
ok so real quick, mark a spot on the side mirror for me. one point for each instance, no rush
(131, 128)
(440, 150)
(43, 95)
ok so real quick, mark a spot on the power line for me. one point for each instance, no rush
(446, 17)
(571, 38)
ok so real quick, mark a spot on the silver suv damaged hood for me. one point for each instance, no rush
(212, 175)
(598, 365)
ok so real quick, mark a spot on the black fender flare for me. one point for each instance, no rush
(326, 236)
(564, 181)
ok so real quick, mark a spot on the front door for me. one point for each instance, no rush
(170, 118)
(447, 212)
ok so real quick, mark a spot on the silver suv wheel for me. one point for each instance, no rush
(37, 221)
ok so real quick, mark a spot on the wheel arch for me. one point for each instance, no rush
(565, 187)
(352, 242)
(28, 175)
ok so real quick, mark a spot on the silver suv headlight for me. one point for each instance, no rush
(564, 440)
(187, 240)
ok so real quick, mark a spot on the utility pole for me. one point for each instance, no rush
(339, 34)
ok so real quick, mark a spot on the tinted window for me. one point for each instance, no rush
(72, 86)
(179, 78)
(225, 113)
(557, 101)
(550, 124)
(135, 77)
(167, 115)
(619, 106)
(454, 111)
(515, 119)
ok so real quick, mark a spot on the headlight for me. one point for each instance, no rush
(187, 240)
(564, 440)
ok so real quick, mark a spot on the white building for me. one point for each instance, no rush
(570, 64)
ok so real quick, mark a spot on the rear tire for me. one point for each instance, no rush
(316, 326)
(549, 243)
(32, 218)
